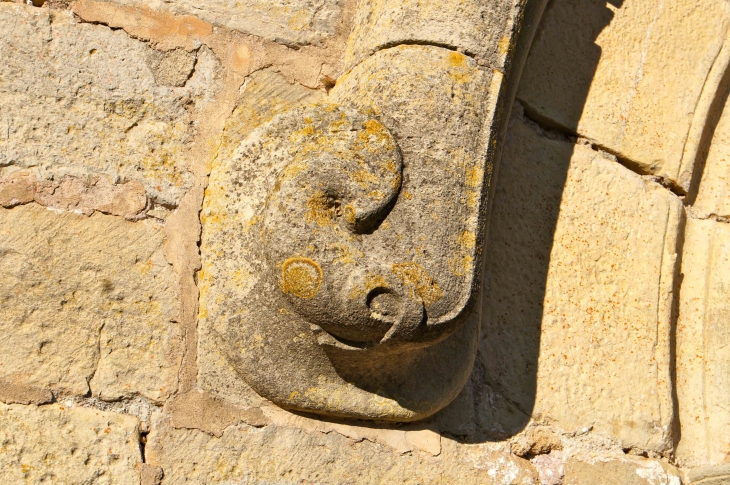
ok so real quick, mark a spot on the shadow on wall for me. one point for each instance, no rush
(499, 399)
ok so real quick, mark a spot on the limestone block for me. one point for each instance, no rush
(713, 194)
(626, 470)
(291, 22)
(703, 350)
(53, 444)
(459, 24)
(627, 74)
(86, 297)
(275, 454)
(708, 475)
(88, 104)
(578, 288)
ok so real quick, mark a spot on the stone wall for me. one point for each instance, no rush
(603, 355)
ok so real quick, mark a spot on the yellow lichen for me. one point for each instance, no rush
(321, 209)
(300, 277)
(421, 284)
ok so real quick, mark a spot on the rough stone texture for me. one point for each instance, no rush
(624, 470)
(86, 298)
(265, 95)
(88, 104)
(288, 455)
(708, 475)
(291, 22)
(578, 293)
(276, 184)
(713, 194)
(121, 111)
(11, 393)
(703, 375)
(53, 444)
(638, 74)
(456, 24)
(199, 410)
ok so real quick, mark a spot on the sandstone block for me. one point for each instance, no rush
(86, 298)
(713, 192)
(579, 279)
(703, 349)
(53, 444)
(289, 455)
(609, 72)
(459, 24)
(88, 104)
(625, 470)
(291, 22)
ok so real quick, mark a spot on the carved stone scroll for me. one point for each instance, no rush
(342, 241)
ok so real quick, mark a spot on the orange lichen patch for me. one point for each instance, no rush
(364, 178)
(349, 213)
(504, 45)
(299, 135)
(460, 72)
(348, 254)
(144, 23)
(421, 284)
(322, 210)
(466, 240)
(457, 59)
(377, 195)
(460, 264)
(474, 176)
(472, 198)
(374, 129)
(300, 277)
(371, 282)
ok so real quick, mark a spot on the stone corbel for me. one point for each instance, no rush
(345, 251)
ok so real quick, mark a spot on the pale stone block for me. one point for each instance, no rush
(276, 454)
(290, 22)
(703, 345)
(713, 195)
(626, 470)
(88, 103)
(459, 24)
(627, 74)
(86, 298)
(578, 289)
(53, 444)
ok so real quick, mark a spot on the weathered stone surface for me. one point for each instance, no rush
(609, 72)
(292, 22)
(11, 393)
(86, 297)
(444, 144)
(703, 375)
(478, 28)
(200, 410)
(53, 444)
(88, 104)
(708, 475)
(713, 193)
(625, 470)
(265, 95)
(288, 455)
(578, 290)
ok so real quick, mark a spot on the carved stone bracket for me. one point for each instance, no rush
(342, 241)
